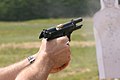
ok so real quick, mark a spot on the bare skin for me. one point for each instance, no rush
(51, 55)
(10, 72)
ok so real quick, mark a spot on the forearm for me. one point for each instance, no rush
(10, 72)
(39, 70)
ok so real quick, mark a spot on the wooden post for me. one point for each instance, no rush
(107, 36)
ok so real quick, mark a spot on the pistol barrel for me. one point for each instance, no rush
(77, 20)
(73, 22)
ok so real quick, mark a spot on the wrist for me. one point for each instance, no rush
(43, 60)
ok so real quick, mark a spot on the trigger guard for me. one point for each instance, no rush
(69, 37)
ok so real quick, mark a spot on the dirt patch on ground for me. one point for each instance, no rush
(21, 45)
(28, 45)
(83, 43)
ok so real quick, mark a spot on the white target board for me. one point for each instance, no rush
(107, 36)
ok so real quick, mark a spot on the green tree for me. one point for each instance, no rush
(32, 9)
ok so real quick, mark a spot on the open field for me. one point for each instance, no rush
(18, 40)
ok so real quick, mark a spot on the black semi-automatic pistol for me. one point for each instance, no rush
(61, 30)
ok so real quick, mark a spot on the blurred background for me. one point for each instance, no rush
(21, 21)
(17, 10)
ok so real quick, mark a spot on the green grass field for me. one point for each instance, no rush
(18, 40)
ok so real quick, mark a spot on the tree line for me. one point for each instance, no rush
(17, 10)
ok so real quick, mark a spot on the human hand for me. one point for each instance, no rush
(57, 51)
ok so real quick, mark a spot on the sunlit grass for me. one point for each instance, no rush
(29, 30)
